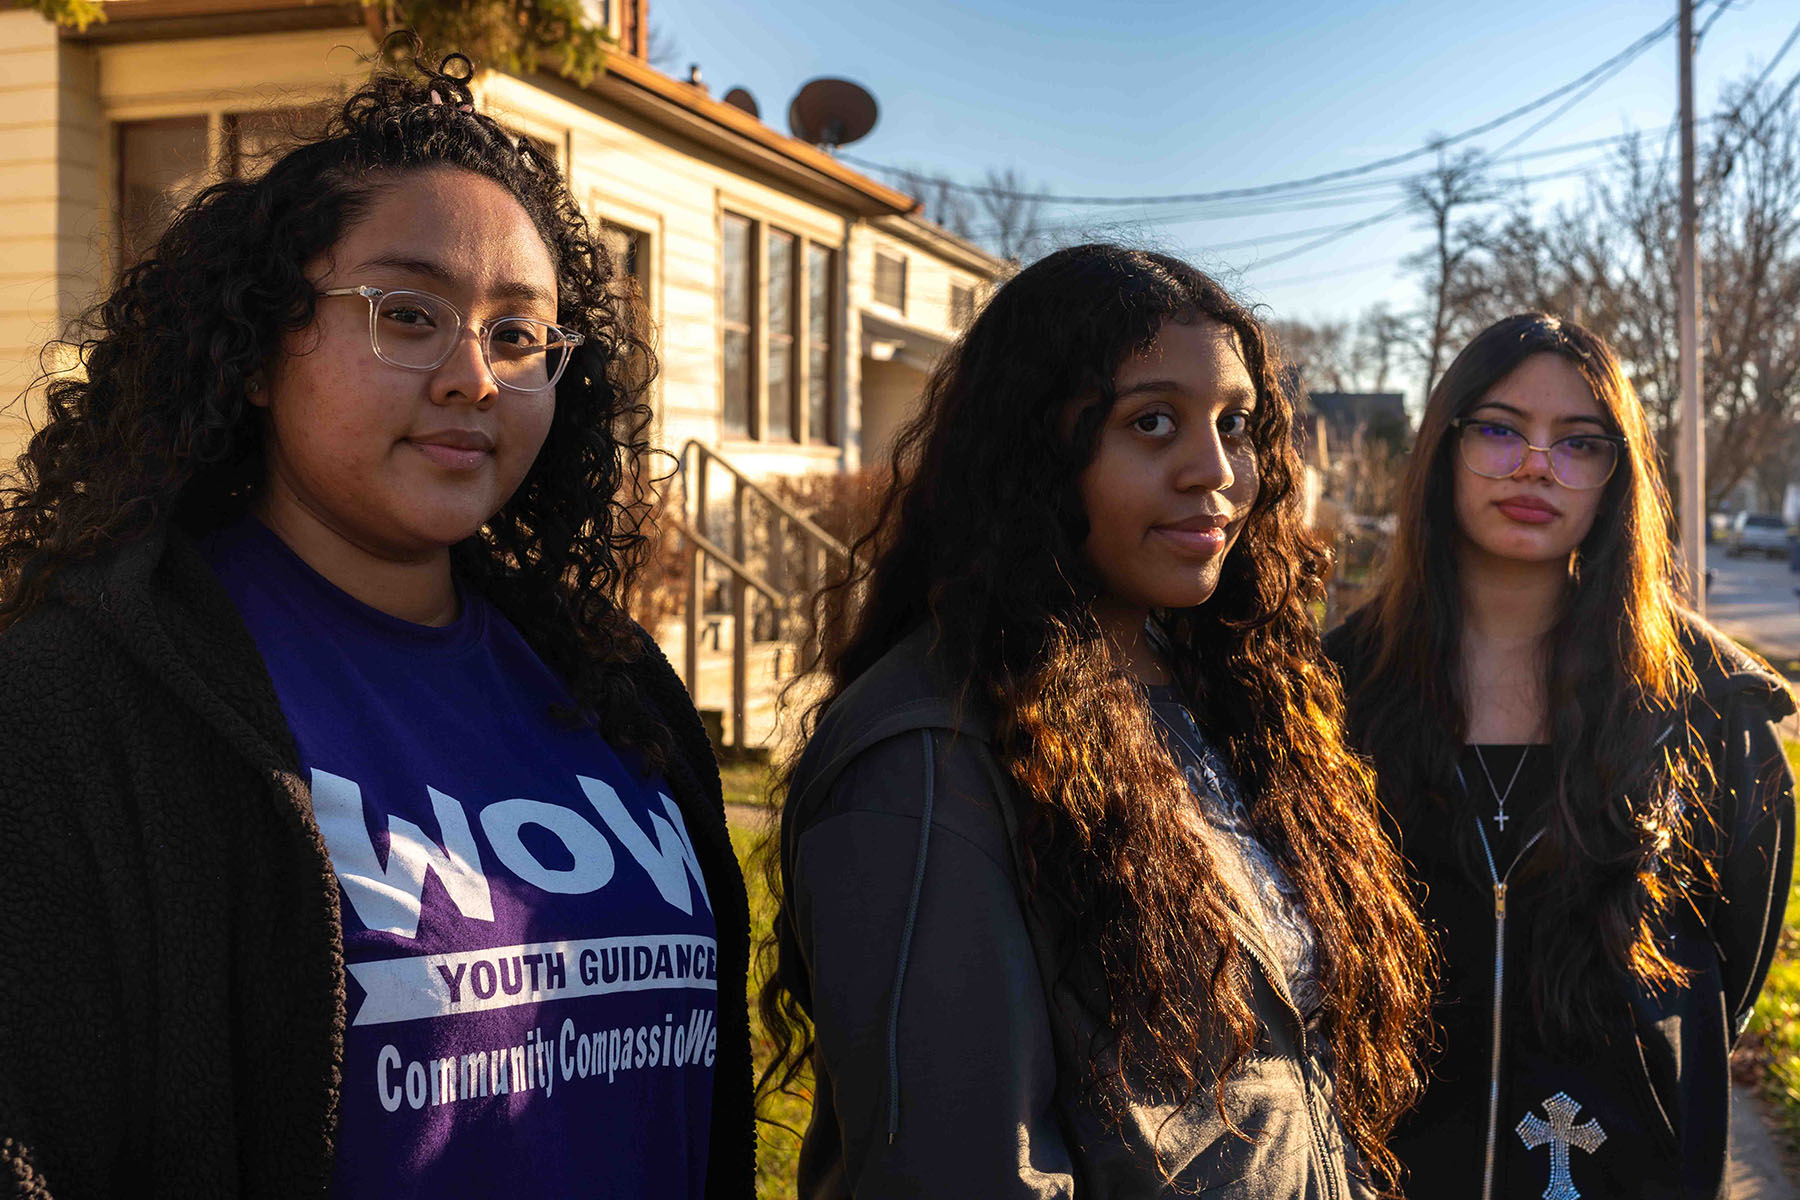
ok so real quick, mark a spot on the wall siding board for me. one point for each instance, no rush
(63, 100)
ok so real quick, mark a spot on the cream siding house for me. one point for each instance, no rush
(799, 303)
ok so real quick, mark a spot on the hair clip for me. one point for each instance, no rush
(437, 99)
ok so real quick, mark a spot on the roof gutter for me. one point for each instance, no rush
(928, 235)
(688, 109)
(628, 82)
(167, 20)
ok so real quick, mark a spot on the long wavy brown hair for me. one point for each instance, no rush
(156, 428)
(1615, 673)
(980, 538)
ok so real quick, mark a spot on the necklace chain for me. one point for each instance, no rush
(1501, 797)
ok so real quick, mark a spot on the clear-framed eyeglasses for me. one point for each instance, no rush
(1580, 462)
(418, 331)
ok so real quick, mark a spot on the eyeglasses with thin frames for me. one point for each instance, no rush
(1580, 462)
(419, 331)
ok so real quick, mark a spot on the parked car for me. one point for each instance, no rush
(1757, 533)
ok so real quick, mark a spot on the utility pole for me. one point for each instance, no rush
(1690, 458)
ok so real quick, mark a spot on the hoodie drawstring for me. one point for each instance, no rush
(912, 914)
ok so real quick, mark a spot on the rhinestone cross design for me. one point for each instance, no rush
(1561, 1132)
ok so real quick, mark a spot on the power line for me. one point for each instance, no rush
(1343, 231)
(1710, 21)
(1335, 272)
(1404, 207)
(1380, 218)
(1662, 160)
(1230, 213)
(1390, 214)
(1577, 98)
(1436, 145)
(1773, 62)
(1750, 130)
(1341, 195)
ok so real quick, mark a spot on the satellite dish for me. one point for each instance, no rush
(739, 97)
(832, 112)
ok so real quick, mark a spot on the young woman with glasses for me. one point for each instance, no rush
(1587, 782)
(356, 842)
(1081, 893)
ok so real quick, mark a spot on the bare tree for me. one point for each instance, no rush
(944, 202)
(1751, 249)
(1318, 351)
(1381, 337)
(1609, 261)
(1003, 213)
(1370, 474)
(1013, 215)
(1458, 182)
(661, 50)
(1346, 356)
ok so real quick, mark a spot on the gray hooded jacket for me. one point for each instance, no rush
(951, 1022)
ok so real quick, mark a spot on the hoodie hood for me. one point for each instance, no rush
(1728, 672)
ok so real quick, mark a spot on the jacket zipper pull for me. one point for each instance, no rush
(1500, 901)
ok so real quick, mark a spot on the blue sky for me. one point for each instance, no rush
(1117, 97)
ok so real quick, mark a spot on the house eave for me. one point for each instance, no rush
(167, 20)
(633, 85)
(688, 109)
(932, 237)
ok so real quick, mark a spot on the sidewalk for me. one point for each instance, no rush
(1756, 1171)
(1754, 599)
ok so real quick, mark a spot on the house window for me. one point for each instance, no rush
(962, 306)
(162, 163)
(821, 289)
(890, 280)
(629, 250)
(778, 354)
(738, 248)
(782, 379)
(255, 140)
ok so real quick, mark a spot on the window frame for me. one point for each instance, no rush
(962, 305)
(750, 328)
(222, 157)
(831, 434)
(797, 346)
(128, 245)
(783, 345)
(899, 258)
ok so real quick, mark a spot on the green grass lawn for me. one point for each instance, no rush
(782, 1117)
(1774, 1034)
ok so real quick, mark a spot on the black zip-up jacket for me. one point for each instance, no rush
(1645, 1109)
(952, 1028)
(171, 959)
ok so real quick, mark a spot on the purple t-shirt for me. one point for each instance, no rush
(530, 947)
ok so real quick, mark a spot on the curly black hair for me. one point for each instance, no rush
(156, 429)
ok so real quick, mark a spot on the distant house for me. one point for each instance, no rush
(1349, 416)
(800, 302)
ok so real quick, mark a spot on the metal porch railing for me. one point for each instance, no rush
(784, 570)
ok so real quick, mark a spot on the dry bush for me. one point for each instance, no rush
(659, 592)
(844, 504)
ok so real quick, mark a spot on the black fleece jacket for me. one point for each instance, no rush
(1656, 1084)
(171, 959)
